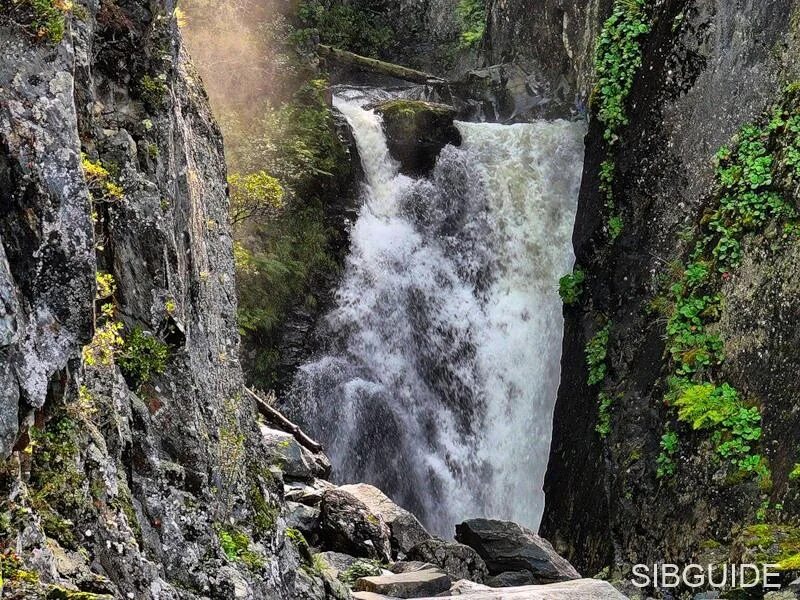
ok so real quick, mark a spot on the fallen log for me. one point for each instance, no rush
(373, 64)
(276, 417)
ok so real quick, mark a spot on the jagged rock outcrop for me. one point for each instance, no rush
(457, 560)
(635, 474)
(121, 388)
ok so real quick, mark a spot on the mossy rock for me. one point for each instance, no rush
(416, 132)
(60, 593)
(775, 544)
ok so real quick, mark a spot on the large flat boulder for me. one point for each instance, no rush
(406, 530)
(507, 546)
(457, 560)
(416, 132)
(578, 589)
(347, 525)
(416, 584)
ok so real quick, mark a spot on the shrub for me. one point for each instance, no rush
(142, 356)
(347, 27)
(472, 16)
(256, 195)
(359, 569)
(570, 287)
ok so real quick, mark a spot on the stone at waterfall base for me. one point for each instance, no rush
(506, 546)
(577, 589)
(416, 584)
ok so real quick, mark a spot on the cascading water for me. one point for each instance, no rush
(441, 368)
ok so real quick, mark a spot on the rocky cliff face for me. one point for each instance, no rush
(675, 427)
(123, 425)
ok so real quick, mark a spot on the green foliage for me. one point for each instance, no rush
(603, 426)
(570, 286)
(153, 90)
(255, 195)
(345, 26)
(794, 475)
(690, 345)
(360, 568)
(44, 19)
(142, 356)
(596, 353)
(617, 58)
(472, 16)
(615, 226)
(98, 178)
(666, 459)
(236, 546)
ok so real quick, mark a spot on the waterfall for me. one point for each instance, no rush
(442, 355)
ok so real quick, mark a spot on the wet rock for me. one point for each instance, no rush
(507, 546)
(347, 525)
(457, 560)
(294, 460)
(510, 579)
(309, 494)
(406, 530)
(505, 93)
(416, 584)
(416, 132)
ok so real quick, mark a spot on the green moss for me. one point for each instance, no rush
(61, 593)
(606, 402)
(775, 544)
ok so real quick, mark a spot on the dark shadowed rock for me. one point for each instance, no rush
(302, 517)
(507, 546)
(416, 132)
(457, 560)
(406, 530)
(347, 525)
(510, 579)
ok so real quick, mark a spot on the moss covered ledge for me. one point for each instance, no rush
(416, 131)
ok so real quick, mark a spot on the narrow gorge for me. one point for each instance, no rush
(332, 299)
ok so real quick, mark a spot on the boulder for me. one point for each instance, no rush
(347, 525)
(406, 530)
(510, 579)
(411, 566)
(578, 589)
(302, 517)
(416, 584)
(507, 546)
(309, 494)
(337, 561)
(457, 560)
(294, 460)
(416, 131)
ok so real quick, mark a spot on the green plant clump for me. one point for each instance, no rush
(236, 546)
(570, 287)
(754, 176)
(359, 569)
(603, 426)
(665, 462)
(618, 57)
(142, 356)
(596, 353)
